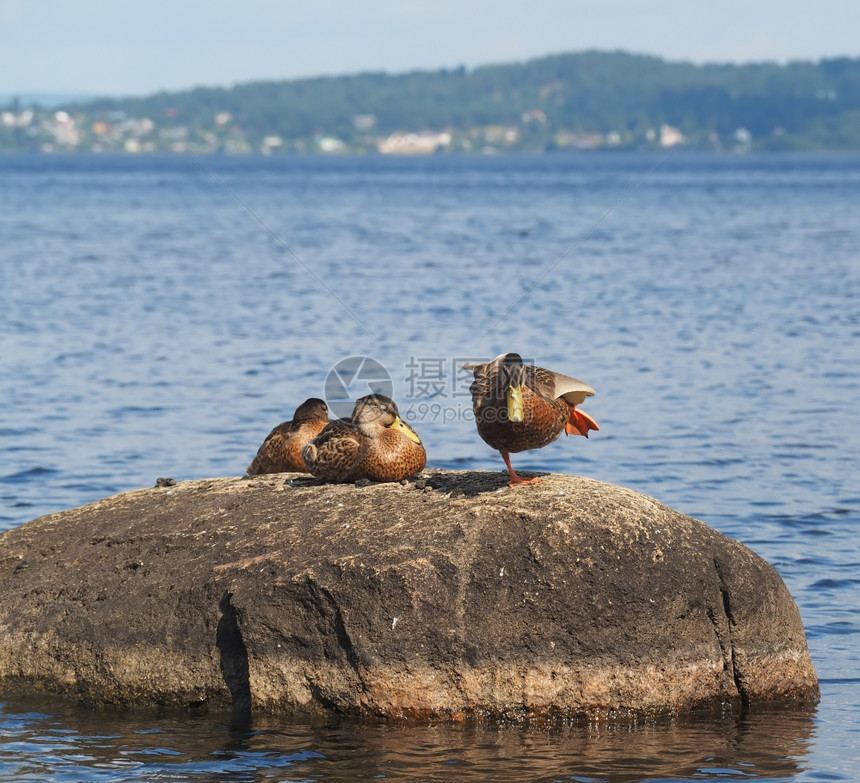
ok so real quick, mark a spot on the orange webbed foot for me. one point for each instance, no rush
(515, 480)
(579, 423)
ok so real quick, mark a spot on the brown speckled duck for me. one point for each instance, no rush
(375, 444)
(520, 407)
(281, 452)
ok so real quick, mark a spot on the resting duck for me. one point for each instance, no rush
(281, 451)
(520, 407)
(375, 444)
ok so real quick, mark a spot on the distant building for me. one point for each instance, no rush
(582, 141)
(330, 144)
(425, 143)
(271, 143)
(671, 136)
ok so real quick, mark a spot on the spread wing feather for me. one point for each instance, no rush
(573, 390)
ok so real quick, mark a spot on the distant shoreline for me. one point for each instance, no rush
(574, 102)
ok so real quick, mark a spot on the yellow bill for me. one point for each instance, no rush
(515, 403)
(401, 426)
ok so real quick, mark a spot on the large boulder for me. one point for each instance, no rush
(453, 595)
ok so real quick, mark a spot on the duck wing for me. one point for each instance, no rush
(572, 390)
(335, 453)
(487, 370)
(487, 367)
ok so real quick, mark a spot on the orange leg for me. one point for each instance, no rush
(579, 423)
(515, 479)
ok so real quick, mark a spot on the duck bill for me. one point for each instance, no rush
(515, 403)
(402, 427)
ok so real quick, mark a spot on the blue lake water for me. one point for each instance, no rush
(159, 315)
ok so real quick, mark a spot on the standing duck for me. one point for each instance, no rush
(375, 444)
(520, 407)
(281, 451)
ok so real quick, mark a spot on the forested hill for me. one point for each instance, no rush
(568, 101)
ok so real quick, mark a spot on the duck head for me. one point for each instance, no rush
(310, 410)
(375, 412)
(511, 382)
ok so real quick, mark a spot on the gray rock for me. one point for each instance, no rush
(570, 597)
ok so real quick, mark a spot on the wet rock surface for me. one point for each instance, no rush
(450, 595)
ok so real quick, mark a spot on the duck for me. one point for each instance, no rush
(519, 407)
(281, 451)
(374, 444)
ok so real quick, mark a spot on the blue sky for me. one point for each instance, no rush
(121, 47)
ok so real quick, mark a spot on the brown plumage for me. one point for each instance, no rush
(374, 444)
(281, 452)
(519, 407)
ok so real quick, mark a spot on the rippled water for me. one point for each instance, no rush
(74, 745)
(160, 315)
